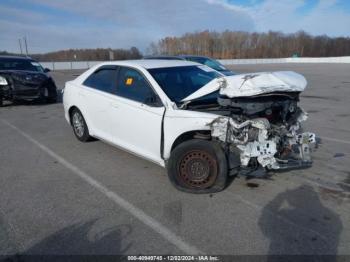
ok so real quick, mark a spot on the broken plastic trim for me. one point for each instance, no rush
(254, 140)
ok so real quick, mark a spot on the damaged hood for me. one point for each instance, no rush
(252, 84)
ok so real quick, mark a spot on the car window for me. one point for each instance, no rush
(208, 62)
(103, 79)
(215, 65)
(196, 59)
(20, 64)
(179, 82)
(132, 85)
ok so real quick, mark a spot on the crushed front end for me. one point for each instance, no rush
(264, 132)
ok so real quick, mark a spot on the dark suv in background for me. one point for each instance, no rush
(22, 78)
(216, 65)
(212, 63)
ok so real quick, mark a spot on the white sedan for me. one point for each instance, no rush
(200, 125)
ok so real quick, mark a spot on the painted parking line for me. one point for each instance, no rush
(123, 203)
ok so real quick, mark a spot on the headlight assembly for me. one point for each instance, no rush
(3, 81)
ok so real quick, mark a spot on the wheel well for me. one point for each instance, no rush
(70, 111)
(201, 134)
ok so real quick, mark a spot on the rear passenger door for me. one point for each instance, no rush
(137, 115)
(97, 95)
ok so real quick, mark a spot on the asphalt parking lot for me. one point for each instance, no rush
(60, 196)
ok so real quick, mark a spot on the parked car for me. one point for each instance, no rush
(209, 62)
(23, 78)
(212, 63)
(200, 125)
(164, 57)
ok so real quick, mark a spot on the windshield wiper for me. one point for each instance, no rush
(184, 104)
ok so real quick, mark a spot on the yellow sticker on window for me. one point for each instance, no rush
(129, 81)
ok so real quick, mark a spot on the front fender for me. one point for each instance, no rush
(178, 122)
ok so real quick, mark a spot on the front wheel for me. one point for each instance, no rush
(47, 95)
(198, 166)
(44, 94)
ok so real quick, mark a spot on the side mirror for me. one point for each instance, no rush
(46, 70)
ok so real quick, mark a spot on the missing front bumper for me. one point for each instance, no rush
(295, 152)
(263, 146)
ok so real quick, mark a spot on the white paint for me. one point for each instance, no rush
(209, 88)
(127, 206)
(130, 124)
(262, 83)
(252, 84)
(136, 127)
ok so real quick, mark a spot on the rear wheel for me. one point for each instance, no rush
(79, 125)
(1, 101)
(198, 166)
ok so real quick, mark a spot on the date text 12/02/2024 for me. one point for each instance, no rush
(173, 258)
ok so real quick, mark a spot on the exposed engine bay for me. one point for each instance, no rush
(263, 129)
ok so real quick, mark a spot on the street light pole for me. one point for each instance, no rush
(25, 43)
(20, 45)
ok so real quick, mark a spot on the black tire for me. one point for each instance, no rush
(53, 96)
(198, 166)
(48, 95)
(44, 95)
(78, 121)
(51, 100)
(1, 101)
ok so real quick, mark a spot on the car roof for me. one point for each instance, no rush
(168, 57)
(152, 63)
(195, 56)
(10, 57)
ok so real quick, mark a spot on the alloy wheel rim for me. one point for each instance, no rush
(78, 124)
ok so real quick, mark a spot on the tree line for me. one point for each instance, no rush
(98, 54)
(227, 44)
(233, 44)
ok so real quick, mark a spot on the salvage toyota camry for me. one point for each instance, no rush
(199, 124)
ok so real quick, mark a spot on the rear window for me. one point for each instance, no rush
(180, 82)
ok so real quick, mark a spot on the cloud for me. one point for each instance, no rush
(324, 16)
(328, 18)
(116, 24)
(52, 25)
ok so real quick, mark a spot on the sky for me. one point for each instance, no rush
(51, 25)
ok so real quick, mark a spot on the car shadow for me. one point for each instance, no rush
(297, 223)
(76, 241)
